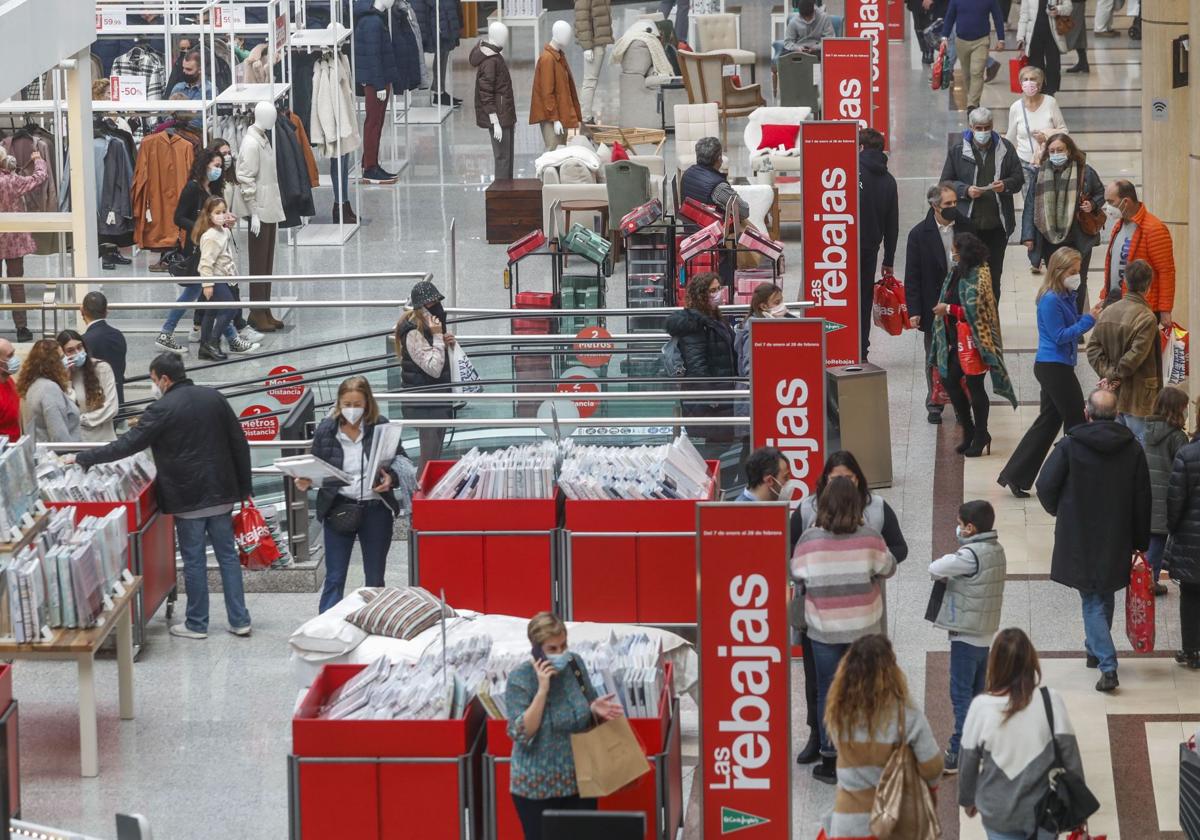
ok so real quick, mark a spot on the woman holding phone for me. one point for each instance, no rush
(549, 698)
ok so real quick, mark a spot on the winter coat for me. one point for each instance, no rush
(13, 189)
(374, 59)
(258, 176)
(593, 24)
(959, 169)
(554, 95)
(1027, 24)
(191, 204)
(1162, 442)
(1125, 345)
(706, 346)
(216, 255)
(295, 188)
(879, 220)
(334, 117)
(201, 454)
(328, 448)
(1060, 326)
(1093, 190)
(427, 17)
(163, 163)
(406, 46)
(1183, 515)
(49, 414)
(925, 266)
(1097, 486)
(1151, 242)
(493, 87)
(979, 309)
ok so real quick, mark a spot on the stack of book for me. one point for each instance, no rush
(518, 472)
(119, 481)
(18, 485)
(673, 471)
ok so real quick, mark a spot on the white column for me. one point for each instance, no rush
(83, 170)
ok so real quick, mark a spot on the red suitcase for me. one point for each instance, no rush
(758, 241)
(639, 217)
(533, 326)
(703, 240)
(699, 213)
(527, 244)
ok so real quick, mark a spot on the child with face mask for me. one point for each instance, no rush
(967, 597)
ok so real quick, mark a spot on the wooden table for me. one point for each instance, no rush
(630, 138)
(82, 645)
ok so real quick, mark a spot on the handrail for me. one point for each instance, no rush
(498, 314)
(240, 278)
(588, 396)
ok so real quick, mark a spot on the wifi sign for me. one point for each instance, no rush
(1158, 110)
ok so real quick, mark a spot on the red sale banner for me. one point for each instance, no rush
(846, 79)
(829, 201)
(869, 19)
(745, 718)
(787, 396)
(897, 20)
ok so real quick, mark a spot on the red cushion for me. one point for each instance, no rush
(774, 136)
(619, 153)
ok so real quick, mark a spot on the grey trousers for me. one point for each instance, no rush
(502, 152)
(552, 140)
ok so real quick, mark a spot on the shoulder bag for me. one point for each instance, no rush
(345, 515)
(903, 807)
(1089, 223)
(608, 756)
(1067, 802)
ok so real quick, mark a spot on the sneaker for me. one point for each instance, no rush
(248, 333)
(377, 174)
(166, 342)
(159, 267)
(1107, 33)
(1189, 660)
(237, 344)
(181, 630)
(1108, 681)
(240, 631)
(194, 335)
(1092, 661)
(826, 770)
(950, 763)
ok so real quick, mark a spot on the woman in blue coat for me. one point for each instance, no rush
(1059, 329)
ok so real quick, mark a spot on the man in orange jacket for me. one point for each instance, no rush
(1138, 235)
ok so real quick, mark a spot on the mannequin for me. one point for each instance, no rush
(259, 182)
(374, 69)
(555, 103)
(495, 108)
(593, 32)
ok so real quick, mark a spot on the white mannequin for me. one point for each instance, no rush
(498, 35)
(560, 36)
(264, 119)
(383, 6)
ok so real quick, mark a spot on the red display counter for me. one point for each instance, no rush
(632, 561)
(658, 794)
(151, 550)
(490, 555)
(378, 779)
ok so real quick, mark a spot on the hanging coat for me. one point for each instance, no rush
(427, 16)
(406, 47)
(163, 164)
(334, 115)
(295, 188)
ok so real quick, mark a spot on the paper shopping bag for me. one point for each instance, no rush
(607, 758)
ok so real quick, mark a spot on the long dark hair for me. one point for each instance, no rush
(199, 172)
(972, 253)
(840, 507)
(867, 689)
(1073, 151)
(91, 380)
(230, 176)
(1013, 669)
(844, 458)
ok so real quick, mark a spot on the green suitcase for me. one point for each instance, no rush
(586, 243)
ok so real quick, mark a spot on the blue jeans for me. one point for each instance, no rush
(1154, 554)
(1097, 628)
(826, 658)
(340, 175)
(190, 294)
(217, 322)
(190, 533)
(968, 668)
(374, 538)
(1135, 424)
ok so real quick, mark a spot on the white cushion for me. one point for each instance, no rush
(329, 634)
(739, 56)
(771, 115)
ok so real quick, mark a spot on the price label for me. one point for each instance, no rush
(110, 17)
(227, 17)
(127, 88)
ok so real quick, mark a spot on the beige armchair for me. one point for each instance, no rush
(705, 79)
(691, 123)
(722, 33)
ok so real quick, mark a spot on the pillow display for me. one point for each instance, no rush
(399, 613)
(619, 153)
(774, 136)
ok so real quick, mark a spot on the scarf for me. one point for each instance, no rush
(647, 33)
(976, 298)
(1054, 205)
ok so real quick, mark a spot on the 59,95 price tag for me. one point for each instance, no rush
(110, 17)
(127, 88)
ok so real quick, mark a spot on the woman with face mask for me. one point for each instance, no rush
(93, 387)
(765, 302)
(706, 343)
(1060, 328)
(365, 509)
(549, 697)
(1032, 119)
(422, 344)
(1063, 187)
(48, 412)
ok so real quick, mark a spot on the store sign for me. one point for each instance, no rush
(281, 36)
(278, 388)
(110, 17)
(577, 380)
(869, 19)
(787, 396)
(227, 17)
(745, 707)
(897, 20)
(846, 79)
(256, 427)
(594, 346)
(127, 88)
(829, 204)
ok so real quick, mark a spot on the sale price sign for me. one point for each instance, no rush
(227, 17)
(829, 203)
(869, 19)
(787, 396)
(846, 79)
(127, 88)
(745, 708)
(110, 17)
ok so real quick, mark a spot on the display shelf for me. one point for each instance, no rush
(244, 94)
(104, 106)
(316, 38)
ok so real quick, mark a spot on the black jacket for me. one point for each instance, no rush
(105, 342)
(925, 266)
(959, 169)
(295, 188)
(1097, 486)
(879, 206)
(191, 203)
(201, 453)
(327, 447)
(1183, 515)
(705, 345)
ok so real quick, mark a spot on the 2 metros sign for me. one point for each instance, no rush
(869, 19)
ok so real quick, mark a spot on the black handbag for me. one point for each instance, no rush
(182, 263)
(345, 516)
(1068, 803)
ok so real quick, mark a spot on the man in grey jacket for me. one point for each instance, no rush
(806, 30)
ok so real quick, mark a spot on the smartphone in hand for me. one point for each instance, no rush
(538, 653)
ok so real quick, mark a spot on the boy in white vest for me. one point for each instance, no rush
(967, 599)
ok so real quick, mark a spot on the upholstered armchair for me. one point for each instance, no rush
(706, 81)
(786, 159)
(722, 33)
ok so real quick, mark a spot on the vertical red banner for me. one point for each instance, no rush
(897, 20)
(745, 706)
(829, 203)
(869, 19)
(846, 68)
(787, 396)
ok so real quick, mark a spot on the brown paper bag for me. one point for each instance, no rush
(607, 758)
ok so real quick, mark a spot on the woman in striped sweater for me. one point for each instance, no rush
(862, 716)
(838, 563)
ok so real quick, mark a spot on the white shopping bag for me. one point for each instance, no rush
(462, 372)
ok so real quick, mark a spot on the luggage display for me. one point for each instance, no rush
(700, 214)
(533, 326)
(746, 280)
(527, 244)
(586, 243)
(639, 217)
(759, 242)
(703, 240)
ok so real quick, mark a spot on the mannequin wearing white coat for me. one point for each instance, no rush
(554, 132)
(258, 180)
(494, 107)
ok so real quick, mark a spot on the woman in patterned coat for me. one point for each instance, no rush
(15, 246)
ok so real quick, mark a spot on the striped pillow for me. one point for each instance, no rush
(399, 613)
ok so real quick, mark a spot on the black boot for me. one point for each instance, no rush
(968, 435)
(826, 771)
(927, 56)
(1081, 66)
(812, 750)
(981, 441)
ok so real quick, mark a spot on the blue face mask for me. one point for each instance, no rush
(982, 138)
(1058, 159)
(80, 358)
(214, 174)
(13, 365)
(558, 660)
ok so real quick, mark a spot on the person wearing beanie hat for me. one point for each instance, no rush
(422, 345)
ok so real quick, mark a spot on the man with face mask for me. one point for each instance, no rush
(203, 465)
(986, 173)
(1138, 235)
(766, 474)
(10, 402)
(926, 261)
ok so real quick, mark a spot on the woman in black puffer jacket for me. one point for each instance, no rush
(1183, 547)
(706, 345)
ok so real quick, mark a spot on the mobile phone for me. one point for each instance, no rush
(538, 654)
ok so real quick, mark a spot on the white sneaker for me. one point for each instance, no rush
(166, 342)
(248, 333)
(240, 631)
(181, 630)
(194, 338)
(237, 344)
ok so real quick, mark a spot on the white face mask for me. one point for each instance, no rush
(777, 311)
(1058, 158)
(1112, 212)
(717, 297)
(352, 414)
(1030, 87)
(155, 391)
(1072, 282)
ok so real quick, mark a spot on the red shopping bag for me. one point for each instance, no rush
(889, 309)
(969, 357)
(1139, 605)
(1082, 834)
(939, 67)
(940, 396)
(1015, 66)
(256, 547)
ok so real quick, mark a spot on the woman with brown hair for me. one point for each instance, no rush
(1007, 743)
(706, 345)
(93, 387)
(48, 414)
(862, 714)
(423, 345)
(837, 564)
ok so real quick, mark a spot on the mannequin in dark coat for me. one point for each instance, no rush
(1183, 549)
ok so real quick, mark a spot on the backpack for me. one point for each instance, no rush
(672, 359)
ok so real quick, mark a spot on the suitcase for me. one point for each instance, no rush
(699, 213)
(703, 240)
(527, 244)
(533, 326)
(586, 243)
(746, 280)
(756, 240)
(639, 217)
